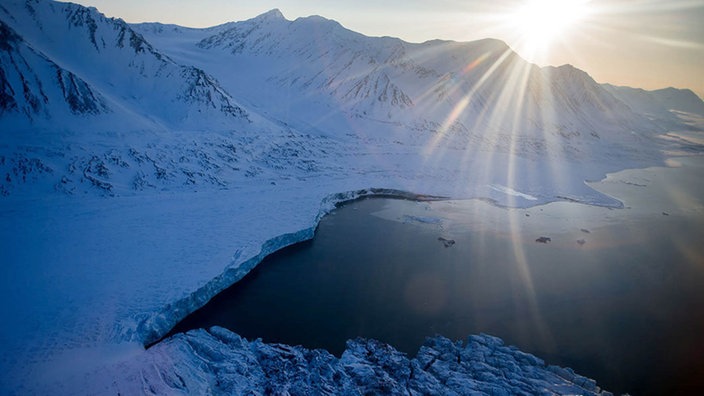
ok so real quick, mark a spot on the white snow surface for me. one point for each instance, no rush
(145, 168)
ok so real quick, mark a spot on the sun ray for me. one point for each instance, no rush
(463, 102)
(541, 24)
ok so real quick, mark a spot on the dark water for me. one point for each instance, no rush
(625, 308)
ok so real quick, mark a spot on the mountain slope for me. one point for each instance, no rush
(664, 106)
(33, 85)
(477, 95)
(326, 87)
(119, 64)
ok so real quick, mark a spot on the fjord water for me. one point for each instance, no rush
(616, 294)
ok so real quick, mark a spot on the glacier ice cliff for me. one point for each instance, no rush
(151, 328)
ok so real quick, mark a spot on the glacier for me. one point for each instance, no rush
(144, 168)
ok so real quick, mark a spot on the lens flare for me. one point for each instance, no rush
(541, 22)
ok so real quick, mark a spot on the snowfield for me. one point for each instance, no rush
(146, 168)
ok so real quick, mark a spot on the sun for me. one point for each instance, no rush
(541, 22)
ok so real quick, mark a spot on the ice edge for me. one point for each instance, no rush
(152, 329)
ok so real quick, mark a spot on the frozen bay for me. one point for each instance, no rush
(615, 293)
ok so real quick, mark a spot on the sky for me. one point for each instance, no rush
(639, 43)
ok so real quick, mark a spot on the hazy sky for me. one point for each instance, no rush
(641, 43)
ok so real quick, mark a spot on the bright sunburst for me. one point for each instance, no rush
(540, 22)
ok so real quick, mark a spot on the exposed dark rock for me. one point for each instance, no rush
(447, 242)
(78, 94)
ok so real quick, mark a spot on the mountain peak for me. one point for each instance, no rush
(274, 14)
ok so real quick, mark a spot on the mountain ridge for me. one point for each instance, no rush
(460, 91)
(306, 77)
(386, 55)
(310, 76)
(117, 62)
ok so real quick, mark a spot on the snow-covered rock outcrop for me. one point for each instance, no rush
(219, 361)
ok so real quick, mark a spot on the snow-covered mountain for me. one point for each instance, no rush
(663, 106)
(66, 67)
(45, 87)
(474, 90)
(161, 163)
(104, 67)
(142, 90)
(477, 89)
